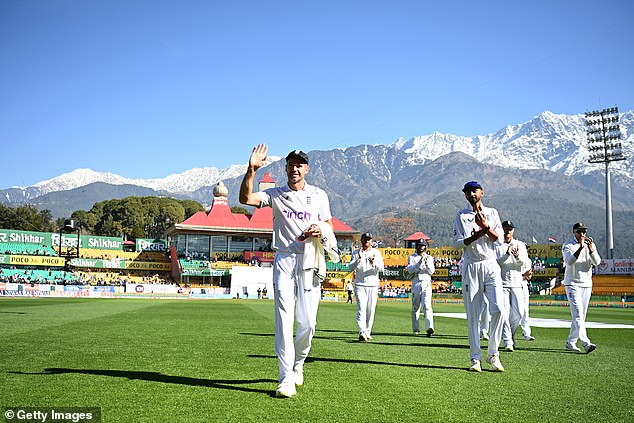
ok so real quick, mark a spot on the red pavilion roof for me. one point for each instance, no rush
(416, 236)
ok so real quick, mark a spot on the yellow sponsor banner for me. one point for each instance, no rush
(442, 272)
(343, 276)
(544, 250)
(549, 272)
(398, 256)
(451, 252)
(147, 265)
(36, 261)
(396, 252)
(393, 257)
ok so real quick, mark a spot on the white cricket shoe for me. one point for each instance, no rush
(589, 348)
(475, 366)
(528, 338)
(494, 361)
(484, 336)
(299, 376)
(285, 390)
(509, 348)
(572, 347)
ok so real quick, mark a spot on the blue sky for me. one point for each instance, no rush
(146, 88)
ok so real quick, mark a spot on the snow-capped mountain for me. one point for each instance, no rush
(189, 180)
(178, 183)
(548, 142)
(555, 142)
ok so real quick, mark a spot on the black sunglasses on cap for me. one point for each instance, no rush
(581, 231)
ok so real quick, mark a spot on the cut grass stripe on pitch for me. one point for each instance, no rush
(550, 323)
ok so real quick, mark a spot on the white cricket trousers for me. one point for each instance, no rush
(291, 298)
(512, 312)
(525, 321)
(366, 305)
(578, 298)
(485, 318)
(421, 298)
(479, 280)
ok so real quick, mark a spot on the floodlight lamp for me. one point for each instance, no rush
(69, 225)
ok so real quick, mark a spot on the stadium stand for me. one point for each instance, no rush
(606, 285)
(97, 253)
(19, 248)
(36, 276)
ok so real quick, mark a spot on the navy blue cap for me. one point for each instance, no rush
(579, 226)
(298, 154)
(471, 185)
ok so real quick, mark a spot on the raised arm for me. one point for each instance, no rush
(256, 161)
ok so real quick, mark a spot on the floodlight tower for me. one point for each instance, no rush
(72, 248)
(604, 145)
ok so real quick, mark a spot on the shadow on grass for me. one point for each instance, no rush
(537, 349)
(12, 312)
(370, 362)
(159, 377)
(352, 338)
(354, 333)
(416, 344)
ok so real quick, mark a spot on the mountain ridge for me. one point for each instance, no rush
(548, 141)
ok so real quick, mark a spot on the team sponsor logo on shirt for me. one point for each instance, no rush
(296, 215)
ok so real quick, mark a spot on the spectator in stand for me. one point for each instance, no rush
(579, 255)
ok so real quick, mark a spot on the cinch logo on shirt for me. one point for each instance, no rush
(296, 215)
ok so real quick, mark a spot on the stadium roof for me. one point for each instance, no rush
(416, 236)
(221, 218)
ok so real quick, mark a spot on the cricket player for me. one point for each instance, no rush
(476, 231)
(515, 266)
(366, 263)
(421, 265)
(579, 255)
(297, 209)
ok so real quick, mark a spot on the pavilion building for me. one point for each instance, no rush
(202, 243)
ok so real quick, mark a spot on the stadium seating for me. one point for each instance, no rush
(337, 267)
(606, 285)
(39, 275)
(96, 253)
(19, 248)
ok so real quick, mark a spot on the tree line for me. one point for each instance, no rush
(130, 217)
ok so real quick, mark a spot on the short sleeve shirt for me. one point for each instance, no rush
(293, 213)
(465, 226)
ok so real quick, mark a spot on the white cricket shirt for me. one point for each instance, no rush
(464, 226)
(293, 213)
